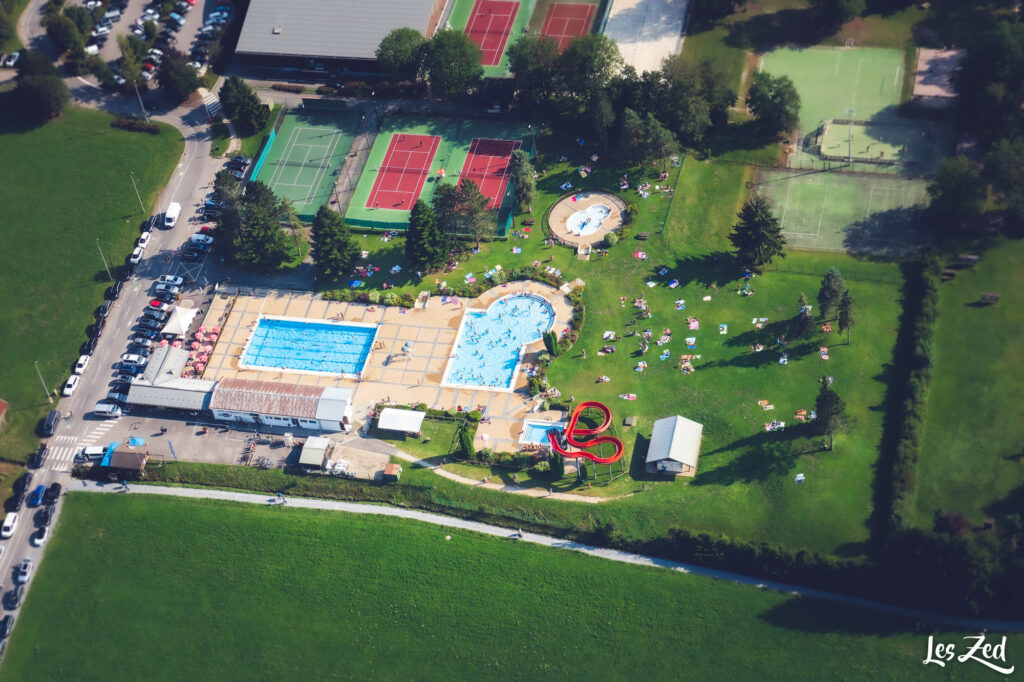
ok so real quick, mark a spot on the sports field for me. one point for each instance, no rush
(564, 21)
(410, 156)
(306, 155)
(494, 25)
(915, 145)
(240, 592)
(842, 211)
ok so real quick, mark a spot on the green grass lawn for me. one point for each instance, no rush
(250, 145)
(63, 186)
(231, 591)
(13, 43)
(970, 455)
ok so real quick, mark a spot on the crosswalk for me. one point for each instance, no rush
(62, 452)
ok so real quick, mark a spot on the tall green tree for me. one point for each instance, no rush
(6, 26)
(232, 93)
(520, 176)
(659, 143)
(81, 17)
(831, 411)
(835, 13)
(774, 101)
(758, 234)
(956, 190)
(532, 60)
(251, 115)
(41, 91)
(633, 132)
(446, 209)
(401, 52)
(847, 314)
(261, 241)
(588, 66)
(177, 78)
(831, 290)
(63, 33)
(683, 105)
(476, 218)
(426, 246)
(332, 248)
(227, 189)
(1004, 167)
(453, 65)
(719, 95)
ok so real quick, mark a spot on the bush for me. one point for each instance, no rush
(373, 296)
(466, 442)
(474, 415)
(632, 211)
(136, 126)
(611, 239)
(288, 87)
(551, 343)
(326, 90)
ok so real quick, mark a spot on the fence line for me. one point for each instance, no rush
(796, 269)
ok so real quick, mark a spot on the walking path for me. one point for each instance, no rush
(972, 624)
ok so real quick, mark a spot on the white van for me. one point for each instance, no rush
(113, 14)
(10, 523)
(171, 216)
(103, 409)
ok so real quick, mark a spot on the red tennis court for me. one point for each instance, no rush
(567, 20)
(489, 27)
(404, 170)
(488, 166)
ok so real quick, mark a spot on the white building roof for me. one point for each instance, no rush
(314, 450)
(393, 419)
(180, 320)
(333, 403)
(676, 438)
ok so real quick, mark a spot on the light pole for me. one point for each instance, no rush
(49, 397)
(141, 105)
(131, 174)
(103, 258)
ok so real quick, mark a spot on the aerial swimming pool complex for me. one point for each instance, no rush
(490, 342)
(312, 346)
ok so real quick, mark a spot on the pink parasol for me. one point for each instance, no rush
(176, 344)
(214, 337)
(208, 348)
(203, 358)
(198, 335)
(194, 345)
(202, 329)
(163, 342)
(215, 330)
(192, 355)
(199, 366)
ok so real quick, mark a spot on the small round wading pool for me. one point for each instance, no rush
(587, 221)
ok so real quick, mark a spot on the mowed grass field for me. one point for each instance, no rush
(63, 186)
(971, 452)
(149, 588)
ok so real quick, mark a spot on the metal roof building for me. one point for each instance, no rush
(675, 446)
(314, 452)
(161, 384)
(326, 408)
(331, 29)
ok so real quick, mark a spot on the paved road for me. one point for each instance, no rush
(973, 624)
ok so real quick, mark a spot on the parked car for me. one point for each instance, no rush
(164, 287)
(142, 342)
(39, 537)
(100, 30)
(155, 315)
(104, 310)
(52, 493)
(45, 515)
(93, 453)
(89, 346)
(159, 306)
(10, 523)
(6, 625)
(170, 279)
(114, 290)
(15, 596)
(138, 32)
(50, 423)
(165, 297)
(105, 409)
(40, 456)
(144, 240)
(200, 238)
(132, 359)
(25, 570)
(150, 14)
(147, 323)
(115, 397)
(70, 385)
(12, 60)
(83, 362)
(136, 256)
(35, 498)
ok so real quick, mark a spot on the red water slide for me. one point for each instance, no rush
(571, 431)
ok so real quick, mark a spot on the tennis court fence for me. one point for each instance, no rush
(261, 159)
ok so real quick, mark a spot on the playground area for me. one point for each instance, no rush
(494, 25)
(301, 161)
(828, 211)
(411, 156)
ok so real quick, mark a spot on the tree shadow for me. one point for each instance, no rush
(764, 32)
(886, 235)
(710, 270)
(638, 463)
(1012, 503)
(745, 136)
(765, 454)
(822, 617)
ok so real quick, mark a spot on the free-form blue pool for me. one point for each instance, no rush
(488, 346)
(536, 431)
(309, 346)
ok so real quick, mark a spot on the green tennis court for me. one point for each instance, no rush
(306, 155)
(863, 214)
(456, 136)
(463, 11)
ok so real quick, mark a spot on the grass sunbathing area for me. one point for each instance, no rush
(971, 452)
(232, 591)
(745, 482)
(63, 186)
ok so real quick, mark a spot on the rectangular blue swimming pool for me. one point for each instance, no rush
(309, 346)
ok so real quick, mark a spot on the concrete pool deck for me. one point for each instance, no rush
(565, 207)
(389, 374)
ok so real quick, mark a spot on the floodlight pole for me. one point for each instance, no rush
(141, 105)
(103, 258)
(131, 174)
(49, 397)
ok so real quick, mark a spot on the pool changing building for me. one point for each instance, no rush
(317, 408)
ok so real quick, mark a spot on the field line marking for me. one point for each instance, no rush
(379, 180)
(785, 206)
(284, 158)
(321, 167)
(821, 211)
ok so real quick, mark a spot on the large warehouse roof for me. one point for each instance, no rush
(266, 397)
(338, 29)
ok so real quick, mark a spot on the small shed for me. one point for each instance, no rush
(125, 464)
(314, 452)
(675, 446)
(392, 472)
(407, 421)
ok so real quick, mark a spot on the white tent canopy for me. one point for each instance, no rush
(180, 320)
(675, 445)
(393, 419)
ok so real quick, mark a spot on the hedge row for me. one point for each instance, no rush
(288, 87)
(463, 289)
(136, 126)
(405, 300)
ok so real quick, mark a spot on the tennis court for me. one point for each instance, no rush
(305, 157)
(862, 214)
(566, 21)
(488, 166)
(475, 148)
(401, 177)
(494, 25)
